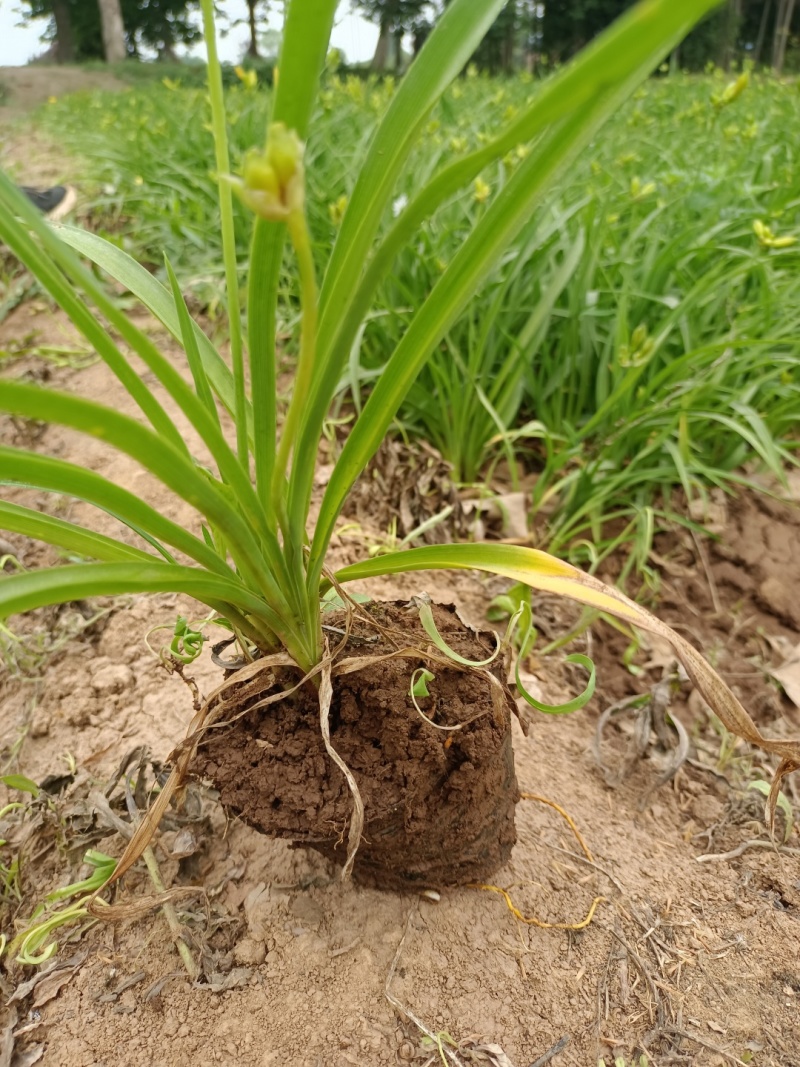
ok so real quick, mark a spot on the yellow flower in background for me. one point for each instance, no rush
(138, 180)
(482, 191)
(336, 210)
(732, 91)
(459, 144)
(52, 100)
(248, 78)
(639, 191)
(767, 239)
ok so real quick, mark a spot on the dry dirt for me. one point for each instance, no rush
(695, 961)
(28, 87)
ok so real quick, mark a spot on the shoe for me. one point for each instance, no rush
(55, 202)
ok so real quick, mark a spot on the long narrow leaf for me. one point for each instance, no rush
(28, 252)
(166, 463)
(57, 585)
(156, 298)
(658, 24)
(225, 200)
(454, 38)
(53, 531)
(190, 346)
(59, 476)
(448, 298)
(183, 395)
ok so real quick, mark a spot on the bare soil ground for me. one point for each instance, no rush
(27, 87)
(692, 953)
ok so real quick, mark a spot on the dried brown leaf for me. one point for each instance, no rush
(135, 909)
(788, 674)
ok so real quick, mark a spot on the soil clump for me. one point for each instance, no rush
(439, 795)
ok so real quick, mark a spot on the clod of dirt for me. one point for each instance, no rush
(439, 804)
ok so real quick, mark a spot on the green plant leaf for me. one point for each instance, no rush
(655, 25)
(419, 682)
(452, 41)
(429, 626)
(570, 705)
(20, 782)
(156, 298)
(36, 259)
(28, 468)
(166, 463)
(783, 803)
(58, 585)
(306, 33)
(67, 535)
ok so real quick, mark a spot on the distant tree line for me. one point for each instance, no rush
(525, 35)
(529, 32)
(113, 29)
(116, 29)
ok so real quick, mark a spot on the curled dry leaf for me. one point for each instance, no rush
(788, 674)
(143, 906)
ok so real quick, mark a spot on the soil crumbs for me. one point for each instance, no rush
(692, 962)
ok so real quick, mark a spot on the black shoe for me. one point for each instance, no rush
(55, 202)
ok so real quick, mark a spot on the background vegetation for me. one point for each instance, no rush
(527, 34)
(652, 339)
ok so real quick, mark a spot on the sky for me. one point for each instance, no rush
(355, 37)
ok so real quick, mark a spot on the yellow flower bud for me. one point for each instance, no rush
(767, 239)
(732, 91)
(248, 78)
(482, 191)
(336, 210)
(273, 180)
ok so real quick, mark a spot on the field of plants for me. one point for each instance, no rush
(354, 433)
(641, 333)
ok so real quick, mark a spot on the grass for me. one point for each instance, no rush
(638, 336)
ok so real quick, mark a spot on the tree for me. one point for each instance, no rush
(783, 22)
(495, 53)
(395, 18)
(160, 25)
(569, 24)
(77, 31)
(113, 30)
(64, 41)
(256, 9)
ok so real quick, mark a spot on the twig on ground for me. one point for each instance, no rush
(587, 862)
(126, 831)
(559, 1046)
(644, 970)
(710, 857)
(706, 1044)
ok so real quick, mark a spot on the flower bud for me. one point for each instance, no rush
(273, 180)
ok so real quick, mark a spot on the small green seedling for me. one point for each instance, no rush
(419, 682)
(33, 945)
(783, 803)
